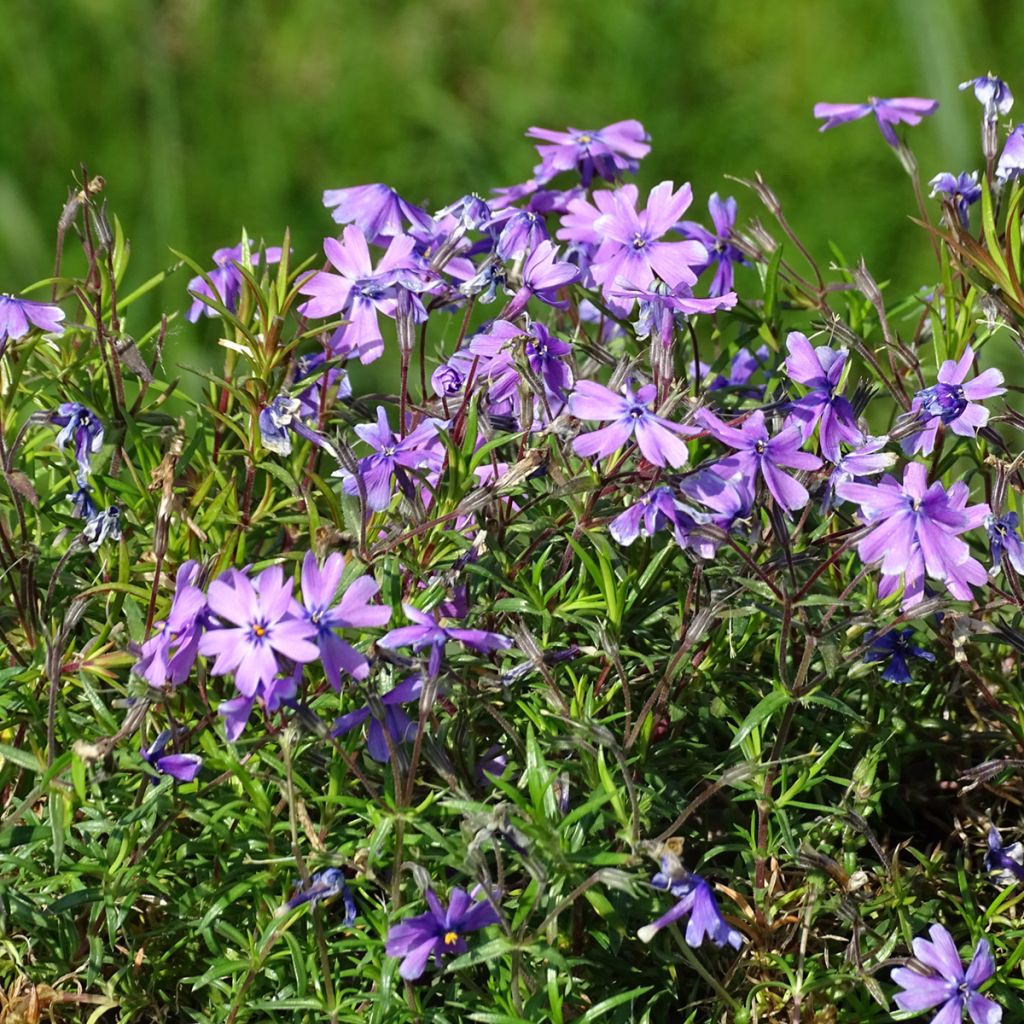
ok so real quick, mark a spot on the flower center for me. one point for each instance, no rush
(450, 938)
(389, 451)
(947, 401)
(639, 241)
(760, 447)
(637, 412)
(258, 631)
(584, 140)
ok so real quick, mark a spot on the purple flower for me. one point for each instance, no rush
(631, 252)
(353, 611)
(895, 647)
(606, 152)
(167, 657)
(19, 316)
(545, 355)
(102, 525)
(662, 308)
(522, 232)
(360, 292)
(1011, 160)
(439, 931)
(756, 453)
(722, 254)
(1003, 539)
(82, 504)
(743, 366)
(659, 510)
(867, 460)
(183, 767)
(265, 628)
(385, 716)
(279, 419)
(992, 93)
(901, 110)
(938, 976)
(914, 529)
(81, 425)
(630, 414)
(1004, 862)
(820, 369)
(310, 396)
(952, 402)
(392, 456)
(696, 900)
(543, 275)
(324, 885)
(225, 281)
(377, 210)
(426, 633)
(961, 190)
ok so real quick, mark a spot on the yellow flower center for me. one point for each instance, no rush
(259, 630)
(451, 938)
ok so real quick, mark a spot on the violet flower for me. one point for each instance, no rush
(521, 232)
(543, 275)
(758, 453)
(19, 316)
(895, 647)
(279, 419)
(1004, 863)
(605, 152)
(992, 93)
(1003, 539)
(264, 628)
(914, 529)
(659, 510)
(953, 403)
(631, 251)
(960, 190)
(361, 292)
(389, 719)
(84, 427)
(427, 633)
(439, 932)
(225, 280)
(868, 460)
(546, 356)
(167, 657)
(695, 900)
(939, 978)
(353, 611)
(377, 210)
(663, 309)
(102, 525)
(743, 366)
(900, 110)
(311, 395)
(722, 254)
(631, 416)
(183, 767)
(820, 369)
(392, 457)
(324, 885)
(1011, 160)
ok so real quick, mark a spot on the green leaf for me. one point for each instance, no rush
(765, 709)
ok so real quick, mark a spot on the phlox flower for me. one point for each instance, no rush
(1004, 539)
(954, 403)
(389, 719)
(543, 275)
(939, 979)
(722, 254)
(631, 416)
(992, 93)
(961, 190)
(901, 110)
(439, 932)
(377, 210)
(183, 767)
(1011, 160)
(696, 901)
(224, 280)
(895, 647)
(1004, 863)
(605, 152)
(167, 657)
(82, 426)
(19, 316)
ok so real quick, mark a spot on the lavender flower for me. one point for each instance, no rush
(102, 525)
(914, 529)
(427, 633)
(310, 396)
(279, 419)
(960, 190)
(1004, 863)
(938, 977)
(353, 611)
(378, 211)
(901, 110)
(543, 275)
(743, 366)
(521, 233)
(265, 628)
(631, 251)
(758, 453)
(696, 900)
(19, 316)
(324, 885)
(722, 254)
(820, 369)
(895, 647)
(385, 716)
(662, 308)
(167, 657)
(545, 355)
(84, 427)
(392, 457)
(183, 767)
(1003, 539)
(631, 416)
(868, 460)
(225, 281)
(1011, 160)
(605, 152)
(992, 93)
(438, 932)
(953, 403)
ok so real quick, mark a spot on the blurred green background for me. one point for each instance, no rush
(204, 116)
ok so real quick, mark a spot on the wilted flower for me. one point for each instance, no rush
(895, 647)
(938, 977)
(903, 109)
(324, 885)
(1003, 539)
(1005, 863)
(81, 425)
(992, 93)
(392, 720)
(961, 190)
(102, 525)
(438, 932)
